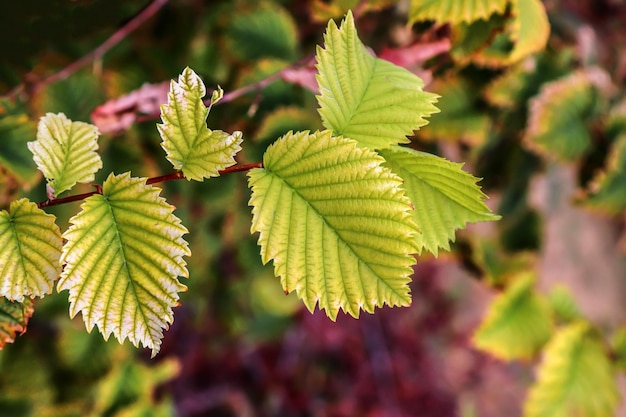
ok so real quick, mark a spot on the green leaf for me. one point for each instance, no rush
(518, 322)
(15, 131)
(265, 31)
(563, 304)
(336, 223)
(365, 98)
(123, 255)
(575, 377)
(444, 196)
(557, 120)
(65, 151)
(607, 188)
(14, 316)
(530, 30)
(459, 120)
(190, 146)
(30, 248)
(455, 11)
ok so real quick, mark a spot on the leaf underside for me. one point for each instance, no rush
(335, 222)
(365, 98)
(123, 256)
(444, 196)
(30, 248)
(575, 379)
(65, 151)
(189, 144)
(517, 324)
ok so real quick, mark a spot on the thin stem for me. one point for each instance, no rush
(177, 175)
(97, 53)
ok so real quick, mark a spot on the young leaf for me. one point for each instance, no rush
(65, 151)
(518, 322)
(336, 223)
(575, 379)
(190, 146)
(30, 248)
(444, 196)
(455, 11)
(365, 98)
(14, 316)
(123, 255)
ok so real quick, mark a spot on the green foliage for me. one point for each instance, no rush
(575, 378)
(608, 186)
(65, 151)
(14, 156)
(358, 91)
(123, 256)
(31, 246)
(335, 222)
(191, 147)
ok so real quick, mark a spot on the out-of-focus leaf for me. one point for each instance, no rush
(123, 256)
(558, 115)
(470, 39)
(265, 31)
(575, 378)
(14, 316)
(530, 29)
(455, 11)
(30, 248)
(445, 198)
(133, 385)
(336, 223)
(500, 268)
(323, 10)
(189, 144)
(282, 120)
(75, 96)
(608, 189)
(15, 132)
(619, 347)
(459, 120)
(563, 304)
(365, 98)
(518, 323)
(65, 151)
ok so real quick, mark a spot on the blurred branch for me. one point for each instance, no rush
(97, 53)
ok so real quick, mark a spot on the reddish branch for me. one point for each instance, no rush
(97, 53)
(163, 178)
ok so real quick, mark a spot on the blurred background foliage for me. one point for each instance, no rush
(544, 127)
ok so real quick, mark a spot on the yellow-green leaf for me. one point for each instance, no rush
(123, 256)
(336, 223)
(366, 98)
(530, 29)
(518, 323)
(65, 151)
(444, 196)
(30, 248)
(14, 316)
(455, 11)
(575, 378)
(608, 188)
(189, 144)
